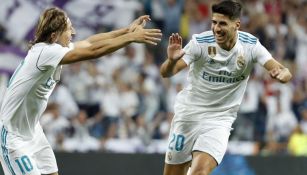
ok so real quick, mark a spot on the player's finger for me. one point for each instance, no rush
(158, 34)
(274, 72)
(153, 30)
(143, 23)
(154, 39)
(273, 75)
(153, 36)
(180, 40)
(280, 75)
(150, 42)
(143, 18)
(176, 38)
(172, 39)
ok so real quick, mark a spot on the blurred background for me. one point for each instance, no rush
(119, 106)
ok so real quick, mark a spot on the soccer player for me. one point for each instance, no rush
(219, 62)
(25, 149)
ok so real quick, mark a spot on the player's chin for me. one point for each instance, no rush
(219, 41)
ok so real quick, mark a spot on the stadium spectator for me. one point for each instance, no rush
(279, 128)
(55, 126)
(67, 104)
(81, 134)
(245, 126)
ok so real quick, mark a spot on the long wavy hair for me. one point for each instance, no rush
(52, 20)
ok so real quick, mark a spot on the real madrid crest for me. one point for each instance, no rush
(240, 62)
(211, 51)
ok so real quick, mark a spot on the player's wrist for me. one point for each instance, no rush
(126, 30)
(130, 37)
(172, 60)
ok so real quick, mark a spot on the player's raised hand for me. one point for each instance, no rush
(174, 49)
(281, 74)
(139, 23)
(149, 36)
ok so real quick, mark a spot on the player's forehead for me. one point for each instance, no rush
(220, 17)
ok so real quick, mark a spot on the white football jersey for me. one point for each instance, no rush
(30, 86)
(217, 78)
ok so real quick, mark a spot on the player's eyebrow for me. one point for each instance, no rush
(220, 22)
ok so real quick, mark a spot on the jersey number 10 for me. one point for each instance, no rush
(24, 163)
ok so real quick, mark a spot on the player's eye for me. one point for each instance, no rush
(223, 23)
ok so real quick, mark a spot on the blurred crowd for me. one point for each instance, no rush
(120, 103)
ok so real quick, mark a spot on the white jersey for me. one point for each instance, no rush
(217, 78)
(30, 86)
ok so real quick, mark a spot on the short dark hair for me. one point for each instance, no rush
(230, 8)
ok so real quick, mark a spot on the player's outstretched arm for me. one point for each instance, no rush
(139, 22)
(104, 47)
(173, 64)
(100, 36)
(278, 71)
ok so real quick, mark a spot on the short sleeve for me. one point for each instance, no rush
(51, 56)
(192, 52)
(260, 54)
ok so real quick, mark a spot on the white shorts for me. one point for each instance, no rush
(188, 136)
(31, 157)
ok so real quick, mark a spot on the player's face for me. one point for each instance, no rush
(224, 29)
(66, 36)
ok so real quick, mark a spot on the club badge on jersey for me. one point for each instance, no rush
(240, 62)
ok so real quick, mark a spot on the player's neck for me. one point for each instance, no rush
(229, 44)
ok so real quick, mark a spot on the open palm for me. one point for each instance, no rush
(174, 49)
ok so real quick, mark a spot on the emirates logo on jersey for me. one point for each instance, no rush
(211, 51)
(240, 62)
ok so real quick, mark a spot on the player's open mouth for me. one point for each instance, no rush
(219, 36)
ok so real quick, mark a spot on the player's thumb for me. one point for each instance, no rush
(274, 73)
(143, 24)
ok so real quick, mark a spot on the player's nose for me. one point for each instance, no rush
(217, 28)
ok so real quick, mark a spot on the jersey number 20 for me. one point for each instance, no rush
(177, 141)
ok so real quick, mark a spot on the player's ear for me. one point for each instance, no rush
(238, 24)
(53, 37)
